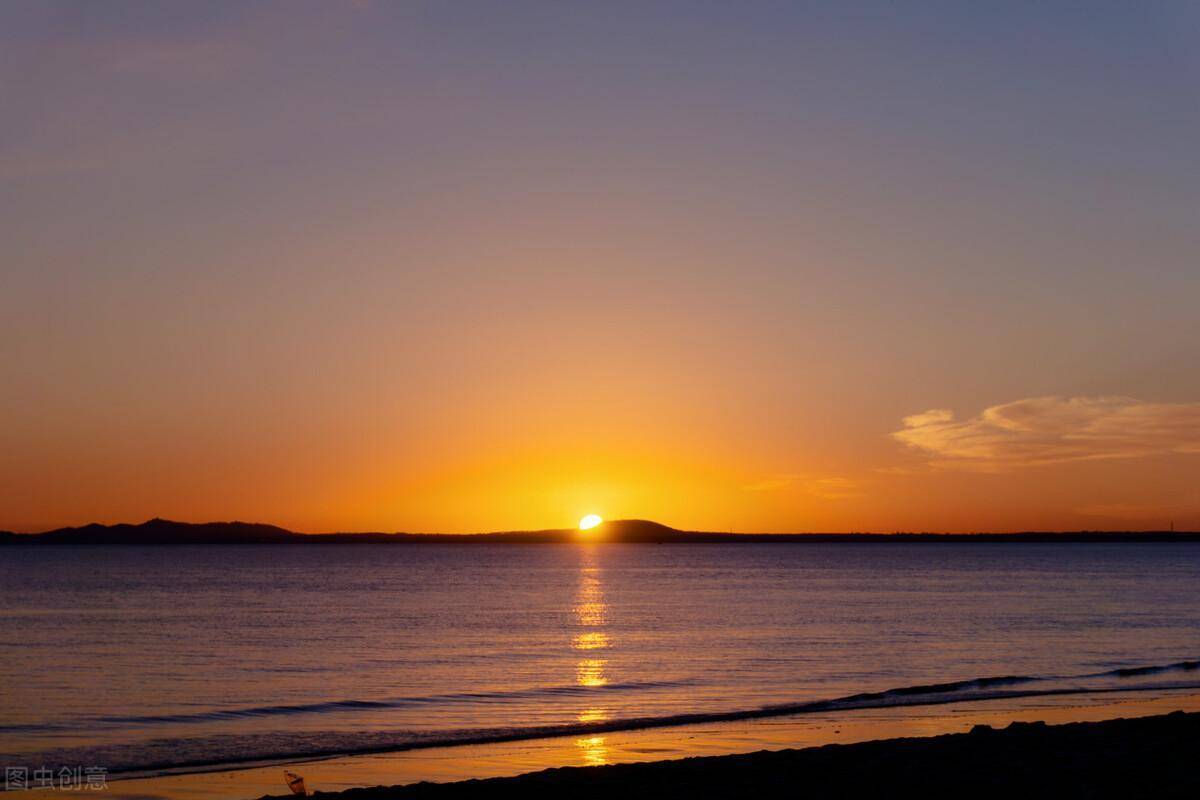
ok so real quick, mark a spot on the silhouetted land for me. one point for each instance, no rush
(167, 532)
(1147, 757)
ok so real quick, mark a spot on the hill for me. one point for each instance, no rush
(632, 531)
(164, 531)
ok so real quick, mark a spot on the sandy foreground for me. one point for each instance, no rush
(453, 765)
(1144, 757)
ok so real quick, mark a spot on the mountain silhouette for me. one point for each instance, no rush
(165, 531)
(636, 530)
(632, 531)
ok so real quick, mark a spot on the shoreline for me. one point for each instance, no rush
(1140, 757)
(484, 761)
(626, 726)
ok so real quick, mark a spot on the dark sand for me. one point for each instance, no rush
(1145, 757)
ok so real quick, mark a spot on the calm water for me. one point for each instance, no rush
(132, 657)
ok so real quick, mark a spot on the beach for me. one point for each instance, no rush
(342, 651)
(701, 743)
(593, 399)
(371, 665)
(1146, 757)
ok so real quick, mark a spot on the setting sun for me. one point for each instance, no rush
(589, 522)
(865, 333)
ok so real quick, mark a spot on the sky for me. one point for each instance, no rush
(463, 266)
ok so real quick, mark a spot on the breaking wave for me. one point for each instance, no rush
(211, 752)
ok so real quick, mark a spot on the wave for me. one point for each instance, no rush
(216, 715)
(212, 752)
(956, 690)
(1125, 672)
(360, 705)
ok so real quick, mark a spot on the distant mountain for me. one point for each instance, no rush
(165, 531)
(634, 531)
(641, 530)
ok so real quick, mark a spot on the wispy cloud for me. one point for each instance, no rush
(1052, 430)
(829, 488)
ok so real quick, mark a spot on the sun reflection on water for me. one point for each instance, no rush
(591, 614)
(590, 672)
(590, 609)
(595, 640)
(593, 750)
(593, 715)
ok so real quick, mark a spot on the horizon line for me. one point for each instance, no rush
(607, 524)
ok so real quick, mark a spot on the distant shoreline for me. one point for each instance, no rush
(166, 532)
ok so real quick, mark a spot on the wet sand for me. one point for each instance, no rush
(448, 764)
(1145, 757)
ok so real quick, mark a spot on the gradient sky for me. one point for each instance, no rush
(457, 266)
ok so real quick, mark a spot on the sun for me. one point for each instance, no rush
(589, 522)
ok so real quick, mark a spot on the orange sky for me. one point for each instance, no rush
(369, 268)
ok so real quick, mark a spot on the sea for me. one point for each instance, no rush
(136, 659)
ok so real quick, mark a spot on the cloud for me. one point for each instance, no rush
(831, 488)
(1054, 430)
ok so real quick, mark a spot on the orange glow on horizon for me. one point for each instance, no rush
(780, 326)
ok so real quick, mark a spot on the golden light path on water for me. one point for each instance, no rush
(591, 615)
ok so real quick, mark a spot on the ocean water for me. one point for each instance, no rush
(137, 658)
